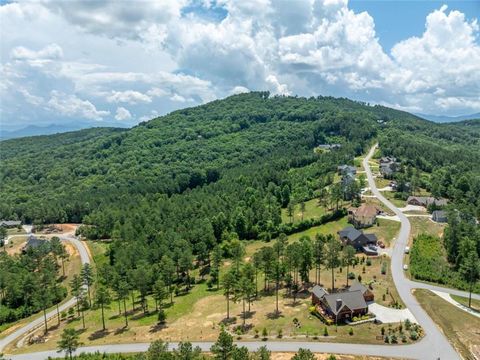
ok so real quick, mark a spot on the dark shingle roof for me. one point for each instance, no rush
(353, 300)
(34, 242)
(350, 233)
(371, 237)
(357, 286)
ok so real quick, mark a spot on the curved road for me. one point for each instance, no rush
(433, 346)
(39, 321)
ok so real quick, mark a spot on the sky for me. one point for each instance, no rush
(119, 62)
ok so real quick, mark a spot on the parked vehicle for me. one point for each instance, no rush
(405, 267)
(407, 249)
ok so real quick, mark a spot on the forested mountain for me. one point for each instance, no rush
(178, 185)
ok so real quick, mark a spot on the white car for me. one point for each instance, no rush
(405, 267)
(407, 249)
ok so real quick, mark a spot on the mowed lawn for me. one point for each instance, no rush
(464, 301)
(461, 328)
(386, 230)
(312, 211)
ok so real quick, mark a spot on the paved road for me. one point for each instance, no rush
(433, 346)
(39, 321)
(438, 345)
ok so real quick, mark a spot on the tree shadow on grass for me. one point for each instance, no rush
(231, 320)
(249, 314)
(98, 334)
(274, 315)
(141, 315)
(158, 327)
(121, 330)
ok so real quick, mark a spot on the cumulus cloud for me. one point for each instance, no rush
(169, 54)
(129, 96)
(122, 114)
(71, 105)
(119, 19)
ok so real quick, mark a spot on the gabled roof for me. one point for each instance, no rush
(34, 242)
(319, 291)
(353, 300)
(371, 237)
(350, 233)
(366, 210)
(357, 286)
(428, 200)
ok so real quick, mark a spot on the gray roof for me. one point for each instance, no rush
(439, 215)
(371, 237)
(353, 300)
(34, 242)
(345, 169)
(319, 291)
(428, 200)
(350, 233)
(10, 222)
(358, 286)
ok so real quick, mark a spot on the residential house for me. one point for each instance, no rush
(388, 166)
(329, 146)
(346, 169)
(339, 306)
(366, 292)
(439, 216)
(363, 216)
(360, 241)
(426, 201)
(34, 243)
(10, 223)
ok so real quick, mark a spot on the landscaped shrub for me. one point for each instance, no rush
(369, 262)
(350, 331)
(325, 331)
(413, 335)
(384, 268)
(351, 275)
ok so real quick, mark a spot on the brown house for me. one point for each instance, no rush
(363, 216)
(343, 305)
(426, 201)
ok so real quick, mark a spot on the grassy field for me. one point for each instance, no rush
(312, 211)
(15, 231)
(386, 230)
(464, 301)
(390, 195)
(461, 328)
(202, 310)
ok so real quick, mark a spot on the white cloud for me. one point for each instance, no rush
(71, 105)
(122, 114)
(119, 19)
(49, 52)
(129, 96)
(164, 55)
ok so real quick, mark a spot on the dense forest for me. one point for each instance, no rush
(177, 186)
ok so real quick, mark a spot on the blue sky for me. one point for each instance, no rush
(108, 62)
(399, 20)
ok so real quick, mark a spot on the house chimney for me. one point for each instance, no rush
(339, 304)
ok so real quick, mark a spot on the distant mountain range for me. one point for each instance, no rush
(35, 130)
(442, 119)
